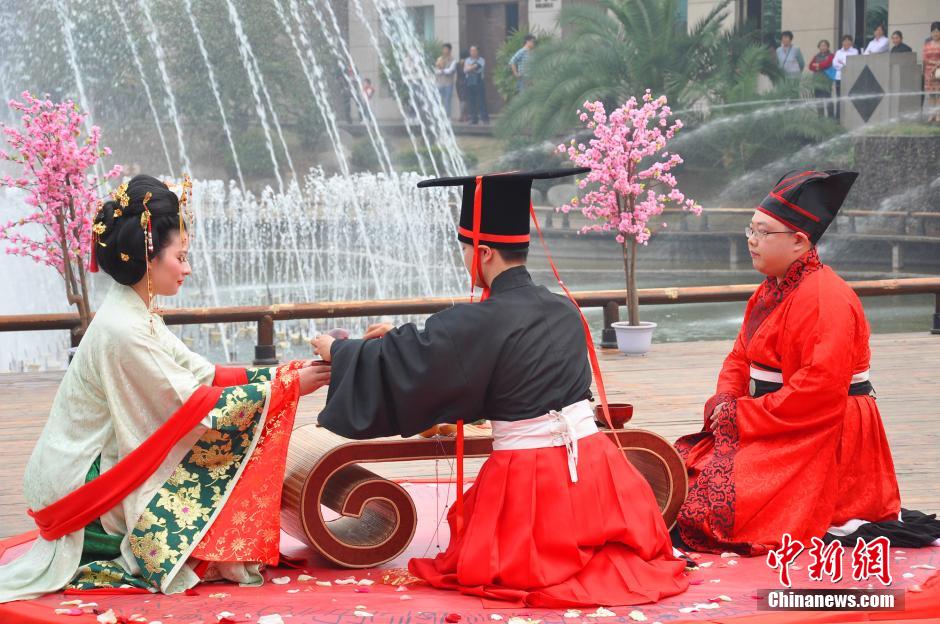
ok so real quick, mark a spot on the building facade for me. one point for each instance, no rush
(487, 24)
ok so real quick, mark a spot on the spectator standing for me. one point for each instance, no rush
(519, 63)
(931, 58)
(838, 62)
(897, 43)
(823, 76)
(473, 69)
(789, 57)
(879, 44)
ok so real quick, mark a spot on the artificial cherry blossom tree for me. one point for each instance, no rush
(630, 179)
(54, 162)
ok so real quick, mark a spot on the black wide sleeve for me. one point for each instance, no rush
(404, 382)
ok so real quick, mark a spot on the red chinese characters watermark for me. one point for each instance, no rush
(827, 560)
(872, 559)
(789, 550)
(869, 559)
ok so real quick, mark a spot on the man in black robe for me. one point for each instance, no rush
(516, 355)
(557, 516)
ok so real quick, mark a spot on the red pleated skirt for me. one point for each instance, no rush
(533, 537)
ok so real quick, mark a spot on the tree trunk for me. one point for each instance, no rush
(629, 249)
(633, 297)
(71, 287)
(84, 304)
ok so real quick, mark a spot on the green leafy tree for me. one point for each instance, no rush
(619, 48)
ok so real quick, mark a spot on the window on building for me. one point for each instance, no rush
(764, 17)
(859, 18)
(876, 12)
(682, 14)
(512, 18)
(423, 19)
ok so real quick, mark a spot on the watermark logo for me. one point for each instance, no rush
(871, 560)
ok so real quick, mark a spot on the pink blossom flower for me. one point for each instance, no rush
(618, 197)
(55, 161)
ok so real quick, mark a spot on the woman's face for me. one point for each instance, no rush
(935, 34)
(170, 268)
(824, 47)
(879, 32)
(846, 44)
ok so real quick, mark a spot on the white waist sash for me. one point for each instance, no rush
(774, 377)
(556, 428)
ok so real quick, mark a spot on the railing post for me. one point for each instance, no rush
(733, 251)
(608, 334)
(265, 351)
(897, 263)
(565, 220)
(550, 219)
(936, 314)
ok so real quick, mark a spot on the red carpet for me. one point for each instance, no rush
(301, 602)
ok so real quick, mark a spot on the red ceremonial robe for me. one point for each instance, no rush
(805, 457)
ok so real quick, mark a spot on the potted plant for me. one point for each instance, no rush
(630, 183)
(55, 161)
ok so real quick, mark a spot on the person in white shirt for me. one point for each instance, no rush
(880, 43)
(838, 62)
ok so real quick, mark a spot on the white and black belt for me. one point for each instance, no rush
(765, 380)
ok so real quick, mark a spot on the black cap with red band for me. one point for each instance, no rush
(807, 201)
(502, 202)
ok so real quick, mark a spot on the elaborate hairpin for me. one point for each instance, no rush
(147, 223)
(120, 196)
(185, 203)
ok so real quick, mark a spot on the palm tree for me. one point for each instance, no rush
(620, 48)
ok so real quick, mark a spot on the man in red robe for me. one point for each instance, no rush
(792, 440)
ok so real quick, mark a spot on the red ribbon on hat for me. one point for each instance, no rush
(476, 269)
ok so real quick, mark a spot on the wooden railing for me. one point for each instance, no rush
(609, 300)
(907, 222)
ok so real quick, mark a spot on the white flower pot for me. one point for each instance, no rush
(634, 340)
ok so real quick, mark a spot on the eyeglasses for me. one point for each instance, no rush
(760, 235)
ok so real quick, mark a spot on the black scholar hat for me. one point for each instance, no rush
(496, 206)
(808, 201)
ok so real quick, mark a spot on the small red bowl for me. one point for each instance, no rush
(620, 414)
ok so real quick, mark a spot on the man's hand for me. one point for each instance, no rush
(713, 419)
(322, 345)
(377, 330)
(313, 377)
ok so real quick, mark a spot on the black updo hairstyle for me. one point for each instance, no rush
(123, 254)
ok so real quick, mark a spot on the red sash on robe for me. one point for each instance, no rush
(76, 510)
(229, 376)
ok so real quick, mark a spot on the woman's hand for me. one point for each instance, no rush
(377, 330)
(322, 345)
(313, 377)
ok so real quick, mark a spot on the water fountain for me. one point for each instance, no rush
(314, 237)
